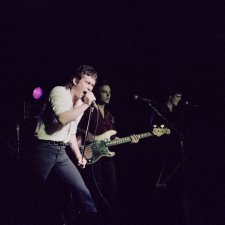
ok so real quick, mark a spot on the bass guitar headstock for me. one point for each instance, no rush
(159, 131)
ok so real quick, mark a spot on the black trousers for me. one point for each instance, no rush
(52, 158)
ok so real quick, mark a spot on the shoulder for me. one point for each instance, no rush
(59, 90)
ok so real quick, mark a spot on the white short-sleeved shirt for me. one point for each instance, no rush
(60, 100)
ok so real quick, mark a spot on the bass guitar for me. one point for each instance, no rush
(99, 148)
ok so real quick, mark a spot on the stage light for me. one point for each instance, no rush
(37, 93)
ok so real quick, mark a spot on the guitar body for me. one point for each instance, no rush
(105, 136)
(94, 151)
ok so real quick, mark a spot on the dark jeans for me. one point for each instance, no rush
(52, 158)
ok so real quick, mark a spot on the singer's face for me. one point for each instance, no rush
(104, 94)
(176, 99)
(85, 84)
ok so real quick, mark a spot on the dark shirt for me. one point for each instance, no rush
(103, 124)
(172, 119)
(104, 169)
(168, 151)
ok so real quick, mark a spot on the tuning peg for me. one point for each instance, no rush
(162, 126)
(167, 130)
(154, 125)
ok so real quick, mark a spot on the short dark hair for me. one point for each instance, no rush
(171, 90)
(99, 85)
(174, 89)
(80, 72)
(86, 70)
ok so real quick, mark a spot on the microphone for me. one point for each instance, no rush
(161, 185)
(187, 103)
(138, 98)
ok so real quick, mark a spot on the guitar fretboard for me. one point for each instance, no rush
(126, 139)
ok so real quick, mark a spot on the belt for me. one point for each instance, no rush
(56, 143)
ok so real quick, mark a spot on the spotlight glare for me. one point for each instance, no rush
(37, 93)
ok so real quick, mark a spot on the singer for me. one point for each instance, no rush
(56, 129)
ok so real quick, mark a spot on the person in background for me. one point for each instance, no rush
(168, 170)
(101, 175)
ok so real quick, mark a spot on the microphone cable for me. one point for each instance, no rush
(94, 177)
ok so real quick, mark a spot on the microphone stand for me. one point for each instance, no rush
(185, 202)
(168, 122)
(86, 131)
(181, 137)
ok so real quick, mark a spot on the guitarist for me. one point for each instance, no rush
(104, 170)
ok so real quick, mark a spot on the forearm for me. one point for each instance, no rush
(76, 150)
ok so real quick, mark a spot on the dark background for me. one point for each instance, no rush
(142, 47)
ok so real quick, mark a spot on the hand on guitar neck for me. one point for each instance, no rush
(99, 147)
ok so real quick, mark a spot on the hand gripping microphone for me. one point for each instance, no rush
(93, 102)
